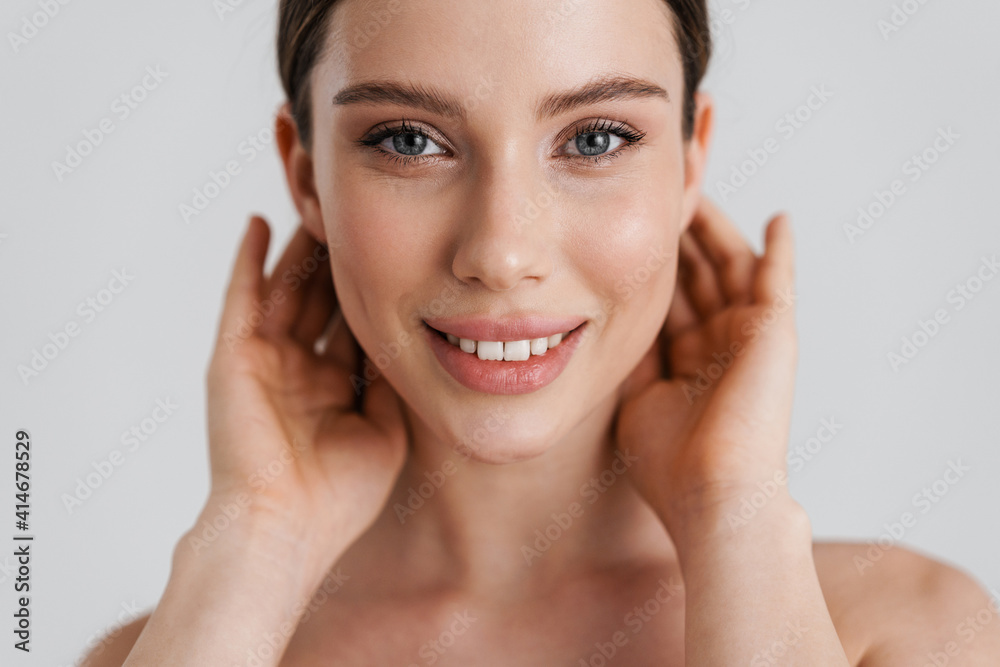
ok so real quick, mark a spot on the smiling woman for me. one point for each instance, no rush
(515, 409)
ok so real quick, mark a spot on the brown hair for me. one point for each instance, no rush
(302, 30)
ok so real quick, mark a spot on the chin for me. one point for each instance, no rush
(505, 432)
(502, 452)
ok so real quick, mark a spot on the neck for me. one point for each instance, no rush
(509, 529)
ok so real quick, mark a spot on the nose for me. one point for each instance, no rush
(506, 238)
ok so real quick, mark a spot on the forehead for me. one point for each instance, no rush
(521, 49)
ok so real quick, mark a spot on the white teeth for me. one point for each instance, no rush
(516, 350)
(539, 345)
(490, 350)
(513, 350)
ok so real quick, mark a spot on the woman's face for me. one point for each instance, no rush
(518, 200)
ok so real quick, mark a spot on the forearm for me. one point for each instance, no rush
(753, 595)
(239, 595)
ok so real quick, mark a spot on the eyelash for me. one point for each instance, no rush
(381, 132)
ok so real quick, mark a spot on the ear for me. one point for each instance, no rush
(299, 172)
(696, 156)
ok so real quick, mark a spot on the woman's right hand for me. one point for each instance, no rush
(282, 424)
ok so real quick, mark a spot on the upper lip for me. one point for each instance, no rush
(509, 328)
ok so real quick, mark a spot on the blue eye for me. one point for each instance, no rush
(404, 142)
(602, 139)
(597, 141)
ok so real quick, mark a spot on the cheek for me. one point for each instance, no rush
(626, 249)
(374, 262)
(627, 258)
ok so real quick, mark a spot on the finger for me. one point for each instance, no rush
(339, 344)
(686, 354)
(246, 280)
(727, 249)
(290, 278)
(382, 406)
(682, 314)
(318, 306)
(775, 276)
(697, 275)
(645, 373)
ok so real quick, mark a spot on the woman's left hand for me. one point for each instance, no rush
(707, 410)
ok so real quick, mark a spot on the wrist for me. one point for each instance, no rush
(243, 535)
(241, 584)
(740, 521)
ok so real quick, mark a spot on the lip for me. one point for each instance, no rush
(505, 377)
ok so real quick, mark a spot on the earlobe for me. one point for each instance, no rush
(696, 156)
(299, 172)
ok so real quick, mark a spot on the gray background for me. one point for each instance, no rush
(61, 241)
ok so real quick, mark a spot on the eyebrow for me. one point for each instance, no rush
(605, 88)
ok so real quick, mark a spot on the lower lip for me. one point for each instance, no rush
(504, 377)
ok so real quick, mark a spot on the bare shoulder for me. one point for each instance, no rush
(111, 650)
(902, 607)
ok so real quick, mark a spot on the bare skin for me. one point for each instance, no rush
(876, 617)
(447, 231)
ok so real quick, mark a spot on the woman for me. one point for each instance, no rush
(543, 419)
